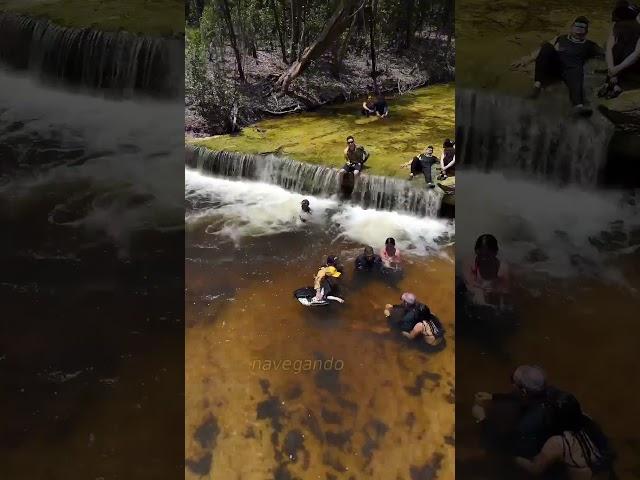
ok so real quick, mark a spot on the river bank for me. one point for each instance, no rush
(417, 119)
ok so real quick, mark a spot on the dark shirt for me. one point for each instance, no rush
(412, 316)
(626, 34)
(575, 54)
(363, 264)
(381, 106)
(536, 423)
(427, 161)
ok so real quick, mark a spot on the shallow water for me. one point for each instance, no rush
(417, 119)
(387, 412)
(574, 256)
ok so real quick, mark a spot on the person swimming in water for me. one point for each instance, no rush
(368, 106)
(390, 256)
(579, 444)
(368, 261)
(415, 319)
(519, 422)
(487, 279)
(305, 211)
(326, 280)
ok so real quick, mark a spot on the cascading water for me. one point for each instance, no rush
(371, 191)
(120, 62)
(496, 132)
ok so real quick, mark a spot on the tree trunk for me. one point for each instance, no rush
(372, 42)
(341, 49)
(332, 29)
(226, 11)
(280, 31)
(408, 33)
(295, 28)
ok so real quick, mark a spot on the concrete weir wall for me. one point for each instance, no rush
(371, 191)
(120, 62)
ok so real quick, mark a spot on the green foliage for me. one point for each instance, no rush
(215, 101)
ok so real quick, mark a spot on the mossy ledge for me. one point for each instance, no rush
(119, 62)
(371, 191)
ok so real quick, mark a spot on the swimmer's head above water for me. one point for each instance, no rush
(305, 205)
(529, 380)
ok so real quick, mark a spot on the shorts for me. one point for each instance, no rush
(352, 167)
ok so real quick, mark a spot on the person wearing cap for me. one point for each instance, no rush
(563, 59)
(415, 320)
(422, 163)
(305, 211)
(534, 399)
(368, 261)
(325, 281)
(448, 159)
(390, 255)
(622, 50)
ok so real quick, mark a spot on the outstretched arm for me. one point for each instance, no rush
(627, 62)
(527, 59)
(609, 51)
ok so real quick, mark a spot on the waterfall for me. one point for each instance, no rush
(371, 191)
(496, 132)
(120, 62)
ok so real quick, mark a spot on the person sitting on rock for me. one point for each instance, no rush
(622, 51)
(422, 163)
(381, 107)
(355, 156)
(563, 59)
(448, 160)
(368, 106)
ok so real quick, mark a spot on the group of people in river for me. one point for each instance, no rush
(543, 429)
(538, 425)
(356, 156)
(413, 318)
(563, 58)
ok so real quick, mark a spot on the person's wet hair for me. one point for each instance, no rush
(624, 11)
(350, 139)
(390, 241)
(332, 260)
(368, 251)
(447, 144)
(569, 417)
(488, 242)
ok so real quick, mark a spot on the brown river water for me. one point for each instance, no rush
(385, 409)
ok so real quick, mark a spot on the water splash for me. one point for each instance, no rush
(119, 62)
(496, 132)
(237, 210)
(371, 191)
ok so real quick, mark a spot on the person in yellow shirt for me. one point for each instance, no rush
(326, 280)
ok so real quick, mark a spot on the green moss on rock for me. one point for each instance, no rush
(417, 119)
(145, 17)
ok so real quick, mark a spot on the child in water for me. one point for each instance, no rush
(305, 212)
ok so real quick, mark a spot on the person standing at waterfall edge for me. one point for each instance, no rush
(563, 59)
(355, 156)
(422, 163)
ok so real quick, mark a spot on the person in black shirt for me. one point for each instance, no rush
(623, 51)
(415, 319)
(381, 108)
(422, 164)
(563, 59)
(368, 261)
(368, 107)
